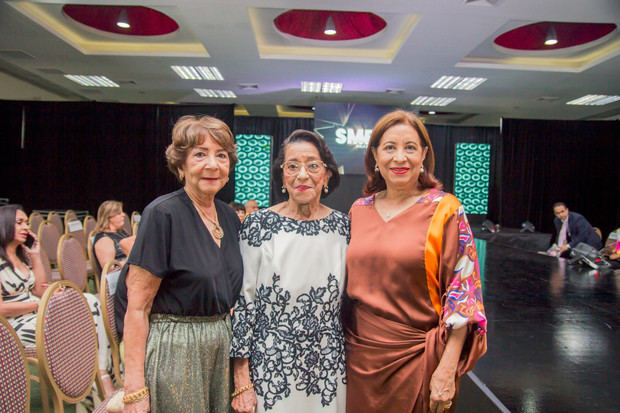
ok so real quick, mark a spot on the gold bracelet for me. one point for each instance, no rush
(241, 390)
(137, 396)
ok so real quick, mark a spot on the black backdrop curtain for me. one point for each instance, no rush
(545, 161)
(77, 155)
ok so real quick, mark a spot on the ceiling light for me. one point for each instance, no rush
(311, 87)
(458, 82)
(216, 93)
(198, 72)
(552, 37)
(594, 100)
(431, 112)
(330, 28)
(431, 101)
(123, 20)
(95, 81)
(331, 87)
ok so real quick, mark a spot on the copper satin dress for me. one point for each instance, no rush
(409, 278)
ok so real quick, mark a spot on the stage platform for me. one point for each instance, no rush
(553, 336)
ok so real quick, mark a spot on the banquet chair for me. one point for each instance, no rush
(51, 275)
(70, 215)
(54, 218)
(66, 343)
(106, 297)
(72, 261)
(135, 217)
(89, 224)
(15, 385)
(49, 236)
(35, 221)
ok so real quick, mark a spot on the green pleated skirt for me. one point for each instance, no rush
(187, 367)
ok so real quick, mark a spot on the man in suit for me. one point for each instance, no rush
(571, 228)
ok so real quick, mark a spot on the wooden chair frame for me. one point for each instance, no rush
(90, 252)
(105, 315)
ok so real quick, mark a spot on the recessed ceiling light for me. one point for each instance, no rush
(395, 91)
(594, 100)
(458, 82)
(198, 72)
(216, 93)
(432, 101)
(431, 112)
(248, 86)
(92, 80)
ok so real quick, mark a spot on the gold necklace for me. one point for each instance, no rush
(217, 230)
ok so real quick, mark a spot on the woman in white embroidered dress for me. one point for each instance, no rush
(288, 346)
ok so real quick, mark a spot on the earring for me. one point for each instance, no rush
(422, 169)
(326, 189)
(376, 168)
(283, 189)
(181, 175)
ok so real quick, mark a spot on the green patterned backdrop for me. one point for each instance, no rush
(471, 176)
(253, 171)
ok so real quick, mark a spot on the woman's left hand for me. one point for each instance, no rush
(443, 389)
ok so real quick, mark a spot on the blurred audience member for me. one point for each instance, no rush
(239, 210)
(571, 228)
(111, 241)
(250, 206)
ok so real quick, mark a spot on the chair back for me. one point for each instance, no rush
(135, 217)
(127, 224)
(75, 227)
(91, 253)
(89, 224)
(66, 343)
(54, 218)
(72, 261)
(15, 388)
(111, 269)
(49, 236)
(46, 266)
(35, 220)
(70, 215)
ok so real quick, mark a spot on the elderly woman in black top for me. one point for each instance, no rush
(184, 272)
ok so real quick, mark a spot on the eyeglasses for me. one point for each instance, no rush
(294, 167)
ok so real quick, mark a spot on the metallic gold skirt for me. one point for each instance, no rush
(187, 367)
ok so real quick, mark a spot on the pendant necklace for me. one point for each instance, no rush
(217, 230)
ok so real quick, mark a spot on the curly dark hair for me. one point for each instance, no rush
(302, 135)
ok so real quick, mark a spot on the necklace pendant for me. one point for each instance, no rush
(218, 232)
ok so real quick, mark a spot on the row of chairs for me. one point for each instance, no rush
(65, 354)
(64, 224)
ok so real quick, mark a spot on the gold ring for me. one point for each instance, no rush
(447, 405)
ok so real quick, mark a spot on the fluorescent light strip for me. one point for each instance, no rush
(311, 87)
(594, 100)
(198, 72)
(432, 101)
(331, 87)
(216, 93)
(458, 82)
(94, 81)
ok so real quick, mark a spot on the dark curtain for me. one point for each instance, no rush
(278, 128)
(77, 155)
(545, 161)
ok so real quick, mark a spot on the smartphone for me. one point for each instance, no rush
(29, 241)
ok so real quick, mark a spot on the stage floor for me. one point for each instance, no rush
(553, 336)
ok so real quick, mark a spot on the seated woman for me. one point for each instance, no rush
(111, 241)
(22, 280)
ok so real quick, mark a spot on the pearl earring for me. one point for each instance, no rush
(283, 189)
(326, 189)
(422, 169)
(376, 168)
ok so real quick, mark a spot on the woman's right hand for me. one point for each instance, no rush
(143, 406)
(245, 402)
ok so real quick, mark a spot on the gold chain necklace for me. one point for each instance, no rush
(217, 230)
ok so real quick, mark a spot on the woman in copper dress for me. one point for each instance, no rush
(415, 321)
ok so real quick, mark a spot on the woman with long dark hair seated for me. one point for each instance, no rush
(22, 278)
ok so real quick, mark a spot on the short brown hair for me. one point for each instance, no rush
(190, 131)
(375, 182)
